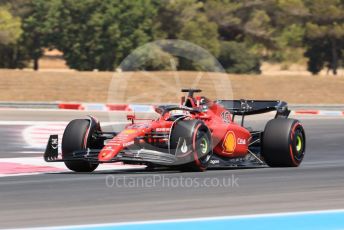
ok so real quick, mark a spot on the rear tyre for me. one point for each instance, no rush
(284, 143)
(78, 136)
(191, 143)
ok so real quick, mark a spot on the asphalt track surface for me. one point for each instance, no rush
(131, 195)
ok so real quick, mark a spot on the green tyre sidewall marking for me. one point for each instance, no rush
(204, 145)
(299, 143)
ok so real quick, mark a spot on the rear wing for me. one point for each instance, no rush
(253, 107)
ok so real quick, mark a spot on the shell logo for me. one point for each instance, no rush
(229, 142)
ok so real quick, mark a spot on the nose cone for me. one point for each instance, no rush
(109, 152)
(114, 146)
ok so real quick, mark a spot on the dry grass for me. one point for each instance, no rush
(164, 86)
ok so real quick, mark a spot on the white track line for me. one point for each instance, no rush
(35, 162)
(53, 123)
(250, 216)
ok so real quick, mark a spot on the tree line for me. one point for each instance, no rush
(99, 34)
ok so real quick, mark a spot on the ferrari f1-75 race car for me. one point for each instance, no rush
(193, 136)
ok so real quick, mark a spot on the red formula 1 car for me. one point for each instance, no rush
(193, 136)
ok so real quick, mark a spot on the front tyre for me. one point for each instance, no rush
(78, 136)
(284, 143)
(191, 143)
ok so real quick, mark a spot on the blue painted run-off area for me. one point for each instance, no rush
(316, 220)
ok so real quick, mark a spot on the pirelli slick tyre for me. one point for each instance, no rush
(283, 143)
(191, 142)
(78, 136)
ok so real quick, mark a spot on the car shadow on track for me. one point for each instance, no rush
(151, 171)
